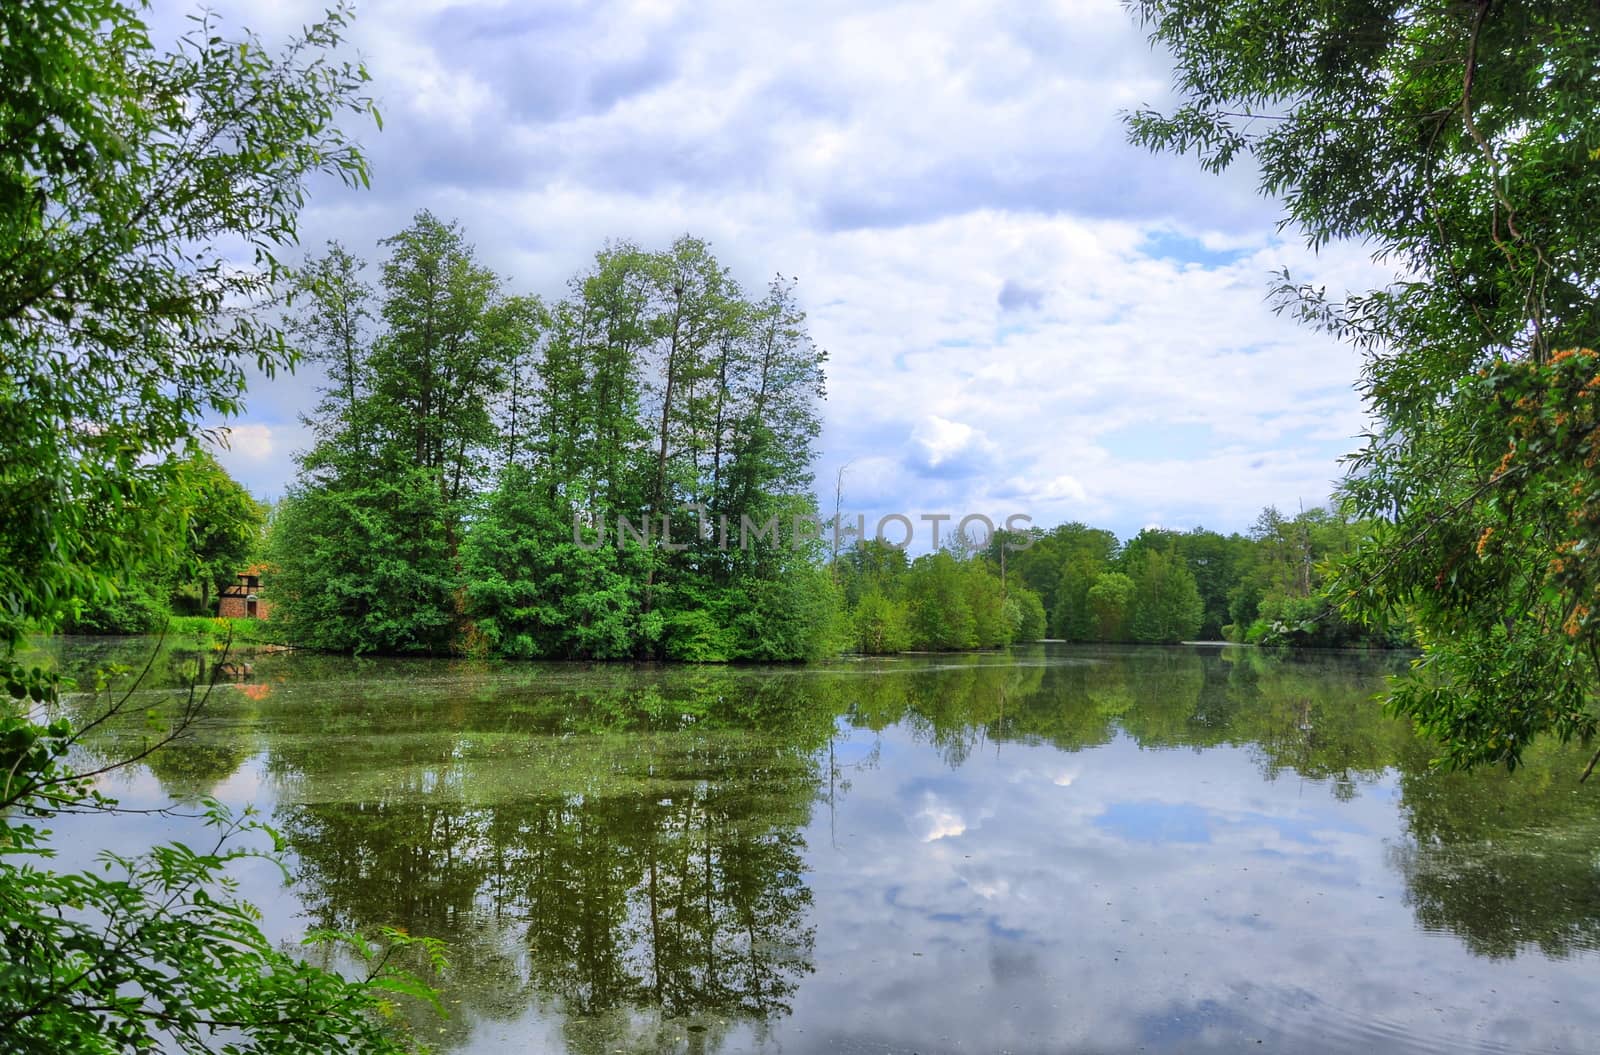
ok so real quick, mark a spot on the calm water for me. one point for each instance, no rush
(1065, 850)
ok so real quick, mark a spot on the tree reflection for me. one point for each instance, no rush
(638, 867)
(1507, 862)
(1313, 716)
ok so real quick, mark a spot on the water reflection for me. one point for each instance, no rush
(1506, 863)
(1066, 849)
(683, 896)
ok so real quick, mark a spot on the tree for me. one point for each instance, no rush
(366, 565)
(992, 625)
(1459, 141)
(440, 362)
(1109, 601)
(696, 300)
(1166, 604)
(532, 592)
(591, 417)
(366, 545)
(1072, 617)
(1213, 560)
(224, 523)
(940, 610)
(880, 624)
(210, 526)
(778, 418)
(332, 329)
(122, 325)
(465, 434)
(1026, 611)
(125, 172)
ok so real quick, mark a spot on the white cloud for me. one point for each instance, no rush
(250, 442)
(1018, 305)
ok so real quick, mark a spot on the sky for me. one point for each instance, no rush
(1024, 314)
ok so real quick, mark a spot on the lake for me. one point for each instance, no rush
(1063, 849)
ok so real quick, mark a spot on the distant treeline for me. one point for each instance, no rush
(1080, 584)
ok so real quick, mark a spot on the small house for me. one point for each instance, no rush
(243, 599)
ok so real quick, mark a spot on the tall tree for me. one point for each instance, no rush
(520, 325)
(366, 542)
(440, 363)
(695, 298)
(1110, 602)
(779, 416)
(124, 325)
(1459, 140)
(332, 329)
(592, 374)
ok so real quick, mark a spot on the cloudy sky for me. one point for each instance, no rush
(1024, 314)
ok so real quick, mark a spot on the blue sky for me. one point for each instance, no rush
(1023, 313)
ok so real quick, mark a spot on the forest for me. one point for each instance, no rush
(474, 450)
(480, 457)
(467, 437)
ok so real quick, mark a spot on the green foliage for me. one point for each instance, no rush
(880, 625)
(1524, 548)
(1110, 601)
(139, 606)
(1071, 618)
(224, 525)
(155, 952)
(125, 173)
(466, 434)
(793, 615)
(1459, 142)
(125, 170)
(1166, 604)
(209, 527)
(941, 616)
(1025, 609)
(984, 594)
(1269, 588)
(941, 602)
(365, 567)
(529, 596)
(217, 632)
(1217, 563)
(1056, 565)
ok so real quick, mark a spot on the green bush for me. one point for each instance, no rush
(880, 625)
(137, 608)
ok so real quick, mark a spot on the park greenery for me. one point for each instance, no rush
(474, 449)
(472, 446)
(343, 582)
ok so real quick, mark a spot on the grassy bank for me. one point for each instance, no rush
(215, 630)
